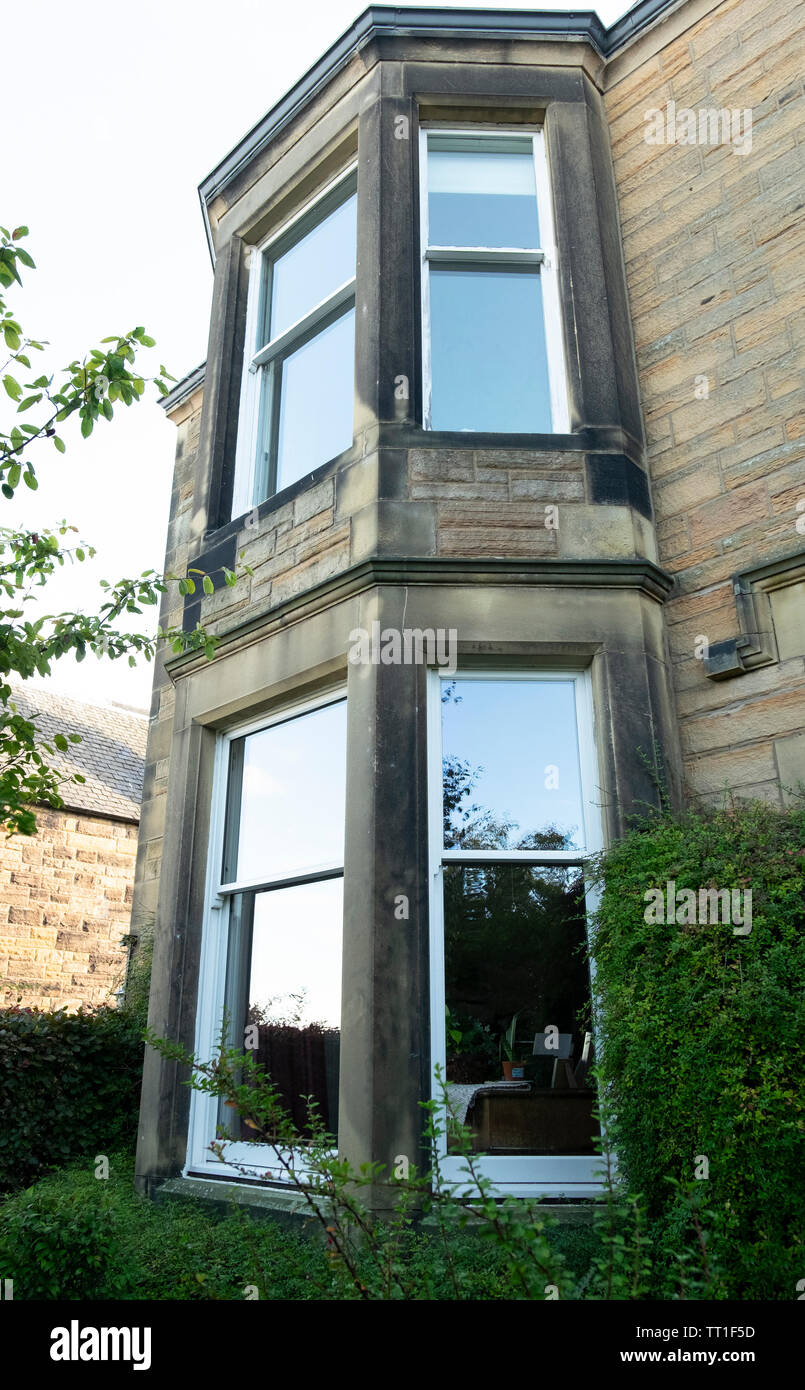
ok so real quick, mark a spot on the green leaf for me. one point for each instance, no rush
(208, 585)
(86, 426)
(13, 388)
(61, 742)
(30, 481)
(18, 232)
(60, 444)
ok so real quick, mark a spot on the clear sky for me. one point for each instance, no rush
(112, 116)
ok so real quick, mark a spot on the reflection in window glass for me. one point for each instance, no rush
(311, 270)
(489, 360)
(511, 775)
(291, 807)
(316, 401)
(515, 967)
(284, 986)
(483, 196)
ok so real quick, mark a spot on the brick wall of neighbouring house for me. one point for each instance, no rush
(65, 903)
(714, 244)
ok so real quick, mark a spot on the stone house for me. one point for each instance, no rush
(503, 411)
(66, 892)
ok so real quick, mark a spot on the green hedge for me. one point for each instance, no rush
(75, 1236)
(69, 1087)
(702, 1037)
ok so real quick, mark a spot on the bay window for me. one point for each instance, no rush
(296, 407)
(493, 357)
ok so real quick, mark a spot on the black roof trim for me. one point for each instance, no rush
(378, 20)
(184, 388)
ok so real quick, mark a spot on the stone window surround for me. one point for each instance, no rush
(757, 643)
(602, 383)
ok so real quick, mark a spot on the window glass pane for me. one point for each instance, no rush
(515, 967)
(316, 401)
(284, 993)
(312, 269)
(291, 808)
(481, 196)
(488, 360)
(510, 765)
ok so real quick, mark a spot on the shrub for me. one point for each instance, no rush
(69, 1086)
(701, 1037)
(73, 1235)
(56, 1245)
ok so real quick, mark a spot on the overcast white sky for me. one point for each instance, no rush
(111, 119)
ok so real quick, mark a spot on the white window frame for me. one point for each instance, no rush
(531, 1175)
(256, 1159)
(544, 257)
(255, 480)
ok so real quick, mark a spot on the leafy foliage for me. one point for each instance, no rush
(701, 1038)
(59, 1246)
(181, 1250)
(69, 1085)
(88, 390)
(519, 1240)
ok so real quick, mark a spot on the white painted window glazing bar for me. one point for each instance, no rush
(340, 298)
(484, 255)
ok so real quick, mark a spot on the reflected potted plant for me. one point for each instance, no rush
(470, 1048)
(513, 1065)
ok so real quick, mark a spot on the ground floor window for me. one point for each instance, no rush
(273, 946)
(513, 817)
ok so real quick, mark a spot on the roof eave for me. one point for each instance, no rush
(380, 20)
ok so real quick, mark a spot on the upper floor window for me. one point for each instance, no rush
(493, 358)
(298, 384)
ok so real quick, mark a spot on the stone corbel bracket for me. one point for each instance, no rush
(757, 643)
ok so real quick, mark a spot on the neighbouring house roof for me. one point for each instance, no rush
(111, 754)
(184, 389)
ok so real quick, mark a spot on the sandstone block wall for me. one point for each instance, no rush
(714, 246)
(65, 904)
